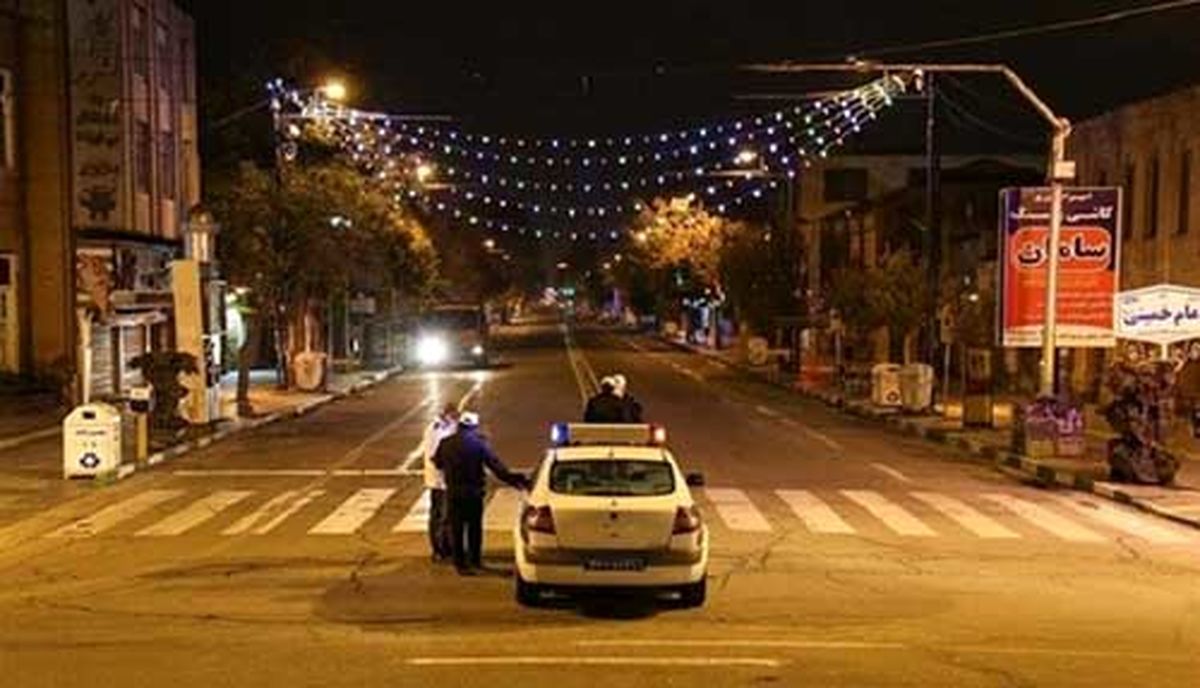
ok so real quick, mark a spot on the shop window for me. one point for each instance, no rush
(142, 158)
(167, 170)
(1185, 193)
(8, 129)
(140, 41)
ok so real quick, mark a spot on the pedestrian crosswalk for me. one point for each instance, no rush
(731, 513)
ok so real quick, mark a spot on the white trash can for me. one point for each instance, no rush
(91, 441)
(885, 385)
(916, 386)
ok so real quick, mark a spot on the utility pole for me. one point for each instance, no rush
(933, 218)
(1058, 168)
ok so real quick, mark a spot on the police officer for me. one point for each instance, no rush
(631, 407)
(443, 426)
(605, 407)
(463, 457)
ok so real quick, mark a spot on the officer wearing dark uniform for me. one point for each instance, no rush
(605, 407)
(463, 457)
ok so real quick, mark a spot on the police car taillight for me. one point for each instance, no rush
(538, 519)
(687, 520)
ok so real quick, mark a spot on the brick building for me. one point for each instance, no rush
(101, 168)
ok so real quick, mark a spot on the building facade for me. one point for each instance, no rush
(104, 171)
(1150, 149)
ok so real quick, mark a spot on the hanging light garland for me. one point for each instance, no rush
(549, 181)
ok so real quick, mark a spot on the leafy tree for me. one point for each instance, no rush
(318, 231)
(900, 298)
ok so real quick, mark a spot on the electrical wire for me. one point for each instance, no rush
(1034, 30)
(959, 111)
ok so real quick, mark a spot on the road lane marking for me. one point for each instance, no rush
(816, 515)
(702, 662)
(814, 434)
(293, 473)
(736, 510)
(975, 521)
(417, 518)
(745, 642)
(1045, 519)
(274, 512)
(115, 514)
(766, 411)
(888, 470)
(194, 514)
(894, 516)
(1125, 521)
(501, 511)
(352, 513)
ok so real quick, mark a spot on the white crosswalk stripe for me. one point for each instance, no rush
(195, 513)
(736, 510)
(274, 512)
(816, 515)
(417, 518)
(115, 514)
(1045, 519)
(501, 511)
(975, 521)
(988, 516)
(354, 512)
(1125, 521)
(894, 516)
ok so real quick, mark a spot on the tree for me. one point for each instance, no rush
(900, 299)
(291, 243)
(760, 274)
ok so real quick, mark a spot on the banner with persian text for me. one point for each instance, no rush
(1088, 266)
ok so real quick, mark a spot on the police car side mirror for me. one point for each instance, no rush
(695, 479)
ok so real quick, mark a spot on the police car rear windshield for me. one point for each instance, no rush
(612, 478)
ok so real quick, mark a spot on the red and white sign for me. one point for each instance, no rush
(1088, 266)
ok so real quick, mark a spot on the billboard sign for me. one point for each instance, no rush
(1088, 266)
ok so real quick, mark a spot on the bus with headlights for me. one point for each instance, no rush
(450, 335)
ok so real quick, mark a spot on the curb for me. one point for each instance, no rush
(127, 469)
(18, 440)
(1003, 460)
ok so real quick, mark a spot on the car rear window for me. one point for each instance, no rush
(612, 478)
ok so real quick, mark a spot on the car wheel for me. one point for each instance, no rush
(528, 594)
(693, 595)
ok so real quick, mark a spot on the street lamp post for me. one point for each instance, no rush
(1058, 171)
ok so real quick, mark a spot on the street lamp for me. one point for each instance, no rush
(746, 157)
(334, 89)
(489, 244)
(424, 172)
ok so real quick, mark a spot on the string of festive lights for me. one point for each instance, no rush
(492, 186)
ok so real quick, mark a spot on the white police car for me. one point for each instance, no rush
(609, 508)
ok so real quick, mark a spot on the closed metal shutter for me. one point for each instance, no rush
(102, 362)
(133, 344)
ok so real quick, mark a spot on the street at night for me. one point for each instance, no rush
(841, 555)
(599, 344)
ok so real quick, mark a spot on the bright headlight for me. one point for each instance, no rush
(432, 350)
(477, 350)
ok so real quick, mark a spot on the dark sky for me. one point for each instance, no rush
(609, 67)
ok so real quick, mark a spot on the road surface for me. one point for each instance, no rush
(843, 555)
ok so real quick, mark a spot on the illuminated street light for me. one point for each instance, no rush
(562, 266)
(489, 244)
(334, 89)
(424, 172)
(746, 157)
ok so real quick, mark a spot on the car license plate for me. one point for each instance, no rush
(615, 564)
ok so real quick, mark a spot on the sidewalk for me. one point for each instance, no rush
(1180, 502)
(270, 404)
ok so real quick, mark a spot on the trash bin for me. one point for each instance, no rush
(916, 386)
(885, 385)
(309, 369)
(91, 441)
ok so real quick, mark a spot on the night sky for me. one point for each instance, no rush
(612, 67)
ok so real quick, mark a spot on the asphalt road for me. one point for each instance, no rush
(842, 556)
